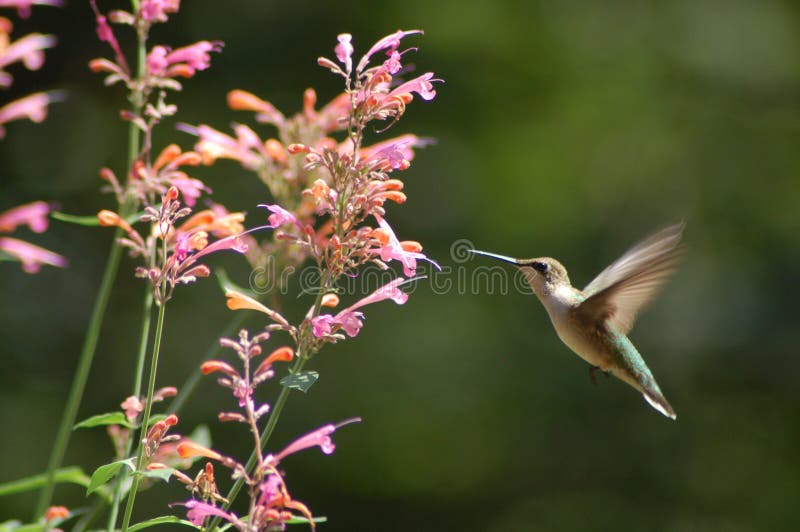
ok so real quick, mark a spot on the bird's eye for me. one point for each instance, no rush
(540, 267)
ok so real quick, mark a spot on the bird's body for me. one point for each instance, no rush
(594, 322)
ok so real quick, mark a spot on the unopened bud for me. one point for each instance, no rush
(411, 246)
(298, 148)
(108, 218)
(330, 300)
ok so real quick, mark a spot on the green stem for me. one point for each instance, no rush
(147, 317)
(272, 421)
(146, 417)
(81, 375)
(265, 435)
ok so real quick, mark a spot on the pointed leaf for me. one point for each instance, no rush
(72, 475)
(302, 380)
(201, 435)
(225, 283)
(106, 472)
(163, 520)
(300, 520)
(73, 219)
(111, 418)
(163, 473)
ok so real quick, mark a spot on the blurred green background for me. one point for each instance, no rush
(564, 128)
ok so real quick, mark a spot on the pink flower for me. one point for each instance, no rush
(32, 107)
(198, 511)
(28, 50)
(132, 407)
(280, 216)
(393, 249)
(350, 319)
(392, 42)
(319, 438)
(395, 153)
(34, 215)
(32, 257)
(156, 10)
(423, 85)
(322, 325)
(344, 51)
(190, 188)
(213, 145)
(24, 6)
(183, 61)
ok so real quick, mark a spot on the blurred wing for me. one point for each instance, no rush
(627, 285)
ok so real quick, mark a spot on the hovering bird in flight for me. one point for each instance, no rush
(594, 322)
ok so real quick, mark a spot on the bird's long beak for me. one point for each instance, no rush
(503, 258)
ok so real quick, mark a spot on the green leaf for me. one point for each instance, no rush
(91, 221)
(73, 219)
(225, 283)
(106, 472)
(71, 475)
(298, 520)
(162, 474)
(163, 520)
(302, 380)
(111, 418)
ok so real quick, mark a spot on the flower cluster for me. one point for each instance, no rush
(28, 50)
(172, 251)
(147, 179)
(34, 215)
(271, 506)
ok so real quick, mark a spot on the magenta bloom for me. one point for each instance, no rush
(34, 215)
(156, 10)
(183, 61)
(280, 216)
(32, 257)
(393, 250)
(344, 51)
(392, 42)
(198, 511)
(190, 188)
(423, 85)
(319, 438)
(350, 319)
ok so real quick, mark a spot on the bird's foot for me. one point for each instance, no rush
(593, 377)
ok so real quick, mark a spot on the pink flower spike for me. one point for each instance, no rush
(390, 41)
(24, 6)
(34, 215)
(280, 216)
(423, 85)
(320, 437)
(344, 51)
(32, 257)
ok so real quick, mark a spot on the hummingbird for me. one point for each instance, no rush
(594, 322)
